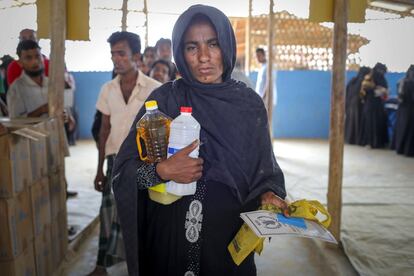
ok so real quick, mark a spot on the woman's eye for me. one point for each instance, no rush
(213, 44)
(190, 48)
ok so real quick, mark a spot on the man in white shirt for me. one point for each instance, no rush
(262, 76)
(119, 102)
(27, 96)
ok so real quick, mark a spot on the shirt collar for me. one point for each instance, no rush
(28, 80)
(141, 81)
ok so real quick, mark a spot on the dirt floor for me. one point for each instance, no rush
(376, 185)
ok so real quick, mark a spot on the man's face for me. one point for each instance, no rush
(149, 58)
(202, 53)
(123, 59)
(160, 72)
(164, 51)
(31, 61)
(27, 35)
(261, 58)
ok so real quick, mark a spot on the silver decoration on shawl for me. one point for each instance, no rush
(193, 220)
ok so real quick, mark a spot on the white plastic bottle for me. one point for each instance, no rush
(183, 131)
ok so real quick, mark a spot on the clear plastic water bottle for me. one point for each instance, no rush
(183, 131)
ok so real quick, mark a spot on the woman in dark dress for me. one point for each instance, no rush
(374, 90)
(353, 106)
(191, 235)
(404, 127)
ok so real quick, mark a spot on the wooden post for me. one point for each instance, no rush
(247, 45)
(269, 74)
(336, 133)
(57, 69)
(124, 15)
(57, 57)
(146, 22)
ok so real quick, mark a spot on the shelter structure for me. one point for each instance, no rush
(298, 43)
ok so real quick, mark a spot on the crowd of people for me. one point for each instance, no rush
(373, 118)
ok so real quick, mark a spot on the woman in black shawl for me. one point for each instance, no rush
(353, 106)
(404, 127)
(239, 172)
(373, 130)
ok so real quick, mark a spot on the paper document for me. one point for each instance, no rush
(267, 224)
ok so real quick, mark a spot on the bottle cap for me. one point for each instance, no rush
(151, 105)
(186, 109)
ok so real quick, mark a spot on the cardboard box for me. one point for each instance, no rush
(24, 264)
(43, 252)
(40, 205)
(16, 225)
(15, 170)
(57, 189)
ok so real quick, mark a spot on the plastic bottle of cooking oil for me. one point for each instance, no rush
(154, 130)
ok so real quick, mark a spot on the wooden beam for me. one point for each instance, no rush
(124, 15)
(57, 68)
(57, 57)
(336, 133)
(247, 49)
(268, 98)
(146, 22)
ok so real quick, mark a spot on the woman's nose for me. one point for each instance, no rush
(204, 54)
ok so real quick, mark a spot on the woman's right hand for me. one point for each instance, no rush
(180, 167)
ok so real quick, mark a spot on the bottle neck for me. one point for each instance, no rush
(151, 111)
(186, 113)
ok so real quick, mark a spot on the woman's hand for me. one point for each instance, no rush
(180, 167)
(271, 198)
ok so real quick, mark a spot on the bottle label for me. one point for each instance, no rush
(172, 150)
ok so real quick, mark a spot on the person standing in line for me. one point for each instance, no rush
(28, 94)
(14, 70)
(353, 106)
(262, 76)
(119, 102)
(374, 90)
(148, 58)
(403, 141)
(164, 52)
(161, 71)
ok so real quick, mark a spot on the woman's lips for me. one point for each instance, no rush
(206, 70)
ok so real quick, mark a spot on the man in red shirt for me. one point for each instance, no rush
(14, 70)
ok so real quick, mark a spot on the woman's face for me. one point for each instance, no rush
(202, 53)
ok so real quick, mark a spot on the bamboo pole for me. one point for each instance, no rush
(146, 22)
(336, 133)
(248, 40)
(269, 76)
(124, 15)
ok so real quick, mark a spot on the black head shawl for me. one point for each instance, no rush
(236, 149)
(225, 36)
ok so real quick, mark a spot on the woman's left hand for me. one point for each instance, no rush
(271, 198)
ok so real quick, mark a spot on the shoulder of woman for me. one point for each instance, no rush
(161, 92)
